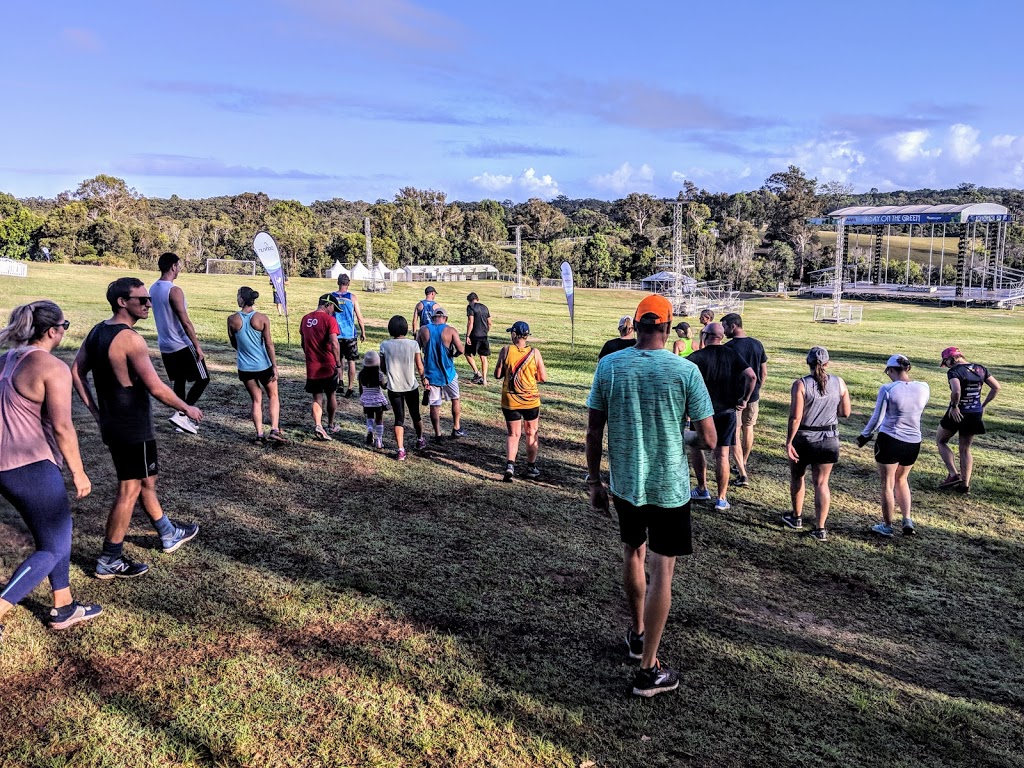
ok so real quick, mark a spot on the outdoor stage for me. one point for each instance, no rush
(944, 295)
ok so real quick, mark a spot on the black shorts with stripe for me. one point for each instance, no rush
(135, 461)
(185, 365)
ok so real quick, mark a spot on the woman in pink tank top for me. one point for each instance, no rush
(36, 437)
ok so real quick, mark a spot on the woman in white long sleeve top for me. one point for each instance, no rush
(897, 416)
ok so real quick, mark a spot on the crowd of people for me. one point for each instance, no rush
(662, 409)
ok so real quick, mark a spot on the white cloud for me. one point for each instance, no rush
(678, 177)
(492, 182)
(963, 142)
(626, 178)
(909, 145)
(538, 186)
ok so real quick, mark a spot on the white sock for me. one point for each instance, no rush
(370, 424)
(378, 432)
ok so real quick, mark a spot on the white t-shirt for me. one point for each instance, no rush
(400, 357)
(898, 410)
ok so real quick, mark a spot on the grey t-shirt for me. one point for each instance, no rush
(821, 411)
(400, 361)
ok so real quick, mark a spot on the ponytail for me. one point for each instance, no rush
(29, 322)
(820, 376)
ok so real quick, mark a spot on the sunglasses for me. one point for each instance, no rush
(145, 301)
(65, 325)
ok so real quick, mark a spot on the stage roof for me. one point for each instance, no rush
(921, 214)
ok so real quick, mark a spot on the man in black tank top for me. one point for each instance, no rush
(124, 377)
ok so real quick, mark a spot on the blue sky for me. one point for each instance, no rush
(313, 99)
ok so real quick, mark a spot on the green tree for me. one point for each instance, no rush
(63, 231)
(597, 259)
(291, 225)
(110, 196)
(18, 227)
(796, 201)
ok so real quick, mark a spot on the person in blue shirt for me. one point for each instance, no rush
(423, 315)
(440, 343)
(348, 317)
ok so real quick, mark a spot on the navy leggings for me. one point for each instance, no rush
(37, 492)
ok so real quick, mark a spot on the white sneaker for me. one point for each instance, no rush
(183, 422)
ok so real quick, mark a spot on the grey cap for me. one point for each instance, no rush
(817, 355)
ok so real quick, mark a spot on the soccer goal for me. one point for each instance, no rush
(230, 267)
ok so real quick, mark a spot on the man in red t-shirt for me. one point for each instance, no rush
(319, 333)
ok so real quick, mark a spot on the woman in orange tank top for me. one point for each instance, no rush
(521, 369)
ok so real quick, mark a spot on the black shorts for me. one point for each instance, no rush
(525, 414)
(970, 424)
(184, 365)
(725, 425)
(819, 452)
(373, 412)
(479, 346)
(349, 349)
(135, 461)
(889, 450)
(322, 386)
(263, 377)
(666, 530)
(402, 400)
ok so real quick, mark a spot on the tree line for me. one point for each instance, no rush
(750, 240)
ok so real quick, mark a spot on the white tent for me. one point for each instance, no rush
(380, 272)
(336, 271)
(659, 281)
(360, 272)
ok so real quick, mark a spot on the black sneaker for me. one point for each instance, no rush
(793, 521)
(121, 568)
(349, 393)
(908, 528)
(369, 438)
(531, 472)
(657, 679)
(510, 472)
(69, 615)
(819, 534)
(741, 481)
(961, 488)
(634, 644)
(458, 433)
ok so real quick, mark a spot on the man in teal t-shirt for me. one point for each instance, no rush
(644, 395)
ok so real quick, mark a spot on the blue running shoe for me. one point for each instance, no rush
(883, 530)
(698, 495)
(69, 615)
(722, 504)
(121, 568)
(182, 534)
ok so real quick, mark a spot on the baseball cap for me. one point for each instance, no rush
(681, 326)
(328, 298)
(519, 328)
(429, 290)
(897, 361)
(817, 355)
(949, 352)
(658, 306)
(624, 321)
(440, 311)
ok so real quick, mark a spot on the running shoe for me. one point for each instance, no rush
(183, 422)
(259, 439)
(908, 528)
(121, 568)
(181, 534)
(793, 521)
(69, 615)
(531, 473)
(819, 534)
(275, 436)
(883, 530)
(510, 472)
(722, 504)
(334, 429)
(698, 495)
(657, 679)
(378, 444)
(320, 433)
(949, 483)
(369, 438)
(477, 379)
(458, 433)
(421, 444)
(349, 393)
(742, 481)
(401, 454)
(962, 487)
(634, 644)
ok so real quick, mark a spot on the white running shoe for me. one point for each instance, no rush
(183, 422)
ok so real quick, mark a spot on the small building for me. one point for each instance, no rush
(444, 273)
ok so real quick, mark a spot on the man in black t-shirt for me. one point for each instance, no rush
(478, 323)
(751, 351)
(730, 383)
(963, 415)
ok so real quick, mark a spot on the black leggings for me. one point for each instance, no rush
(399, 401)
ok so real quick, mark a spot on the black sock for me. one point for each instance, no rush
(112, 551)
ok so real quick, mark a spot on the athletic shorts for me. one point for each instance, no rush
(521, 414)
(889, 450)
(479, 346)
(970, 424)
(184, 365)
(748, 416)
(820, 452)
(263, 377)
(402, 400)
(438, 395)
(322, 386)
(665, 529)
(725, 425)
(349, 349)
(135, 461)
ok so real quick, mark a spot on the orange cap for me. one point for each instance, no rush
(654, 305)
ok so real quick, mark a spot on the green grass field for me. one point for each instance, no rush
(342, 609)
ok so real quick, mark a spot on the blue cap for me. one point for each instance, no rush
(519, 328)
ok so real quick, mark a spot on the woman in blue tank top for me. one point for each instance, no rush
(249, 334)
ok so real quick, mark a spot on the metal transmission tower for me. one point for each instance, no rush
(673, 282)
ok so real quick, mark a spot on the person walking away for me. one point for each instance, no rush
(373, 399)
(751, 351)
(347, 316)
(423, 314)
(729, 381)
(37, 436)
(278, 304)
(478, 324)
(401, 362)
(521, 369)
(124, 377)
(683, 345)
(963, 417)
(440, 378)
(184, 360)
(626, 338)
(897, 416)
(318, 336)
(706, 316)
(249, 334)
(817, 402)
(643, 396)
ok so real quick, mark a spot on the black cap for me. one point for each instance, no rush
(329, 298)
